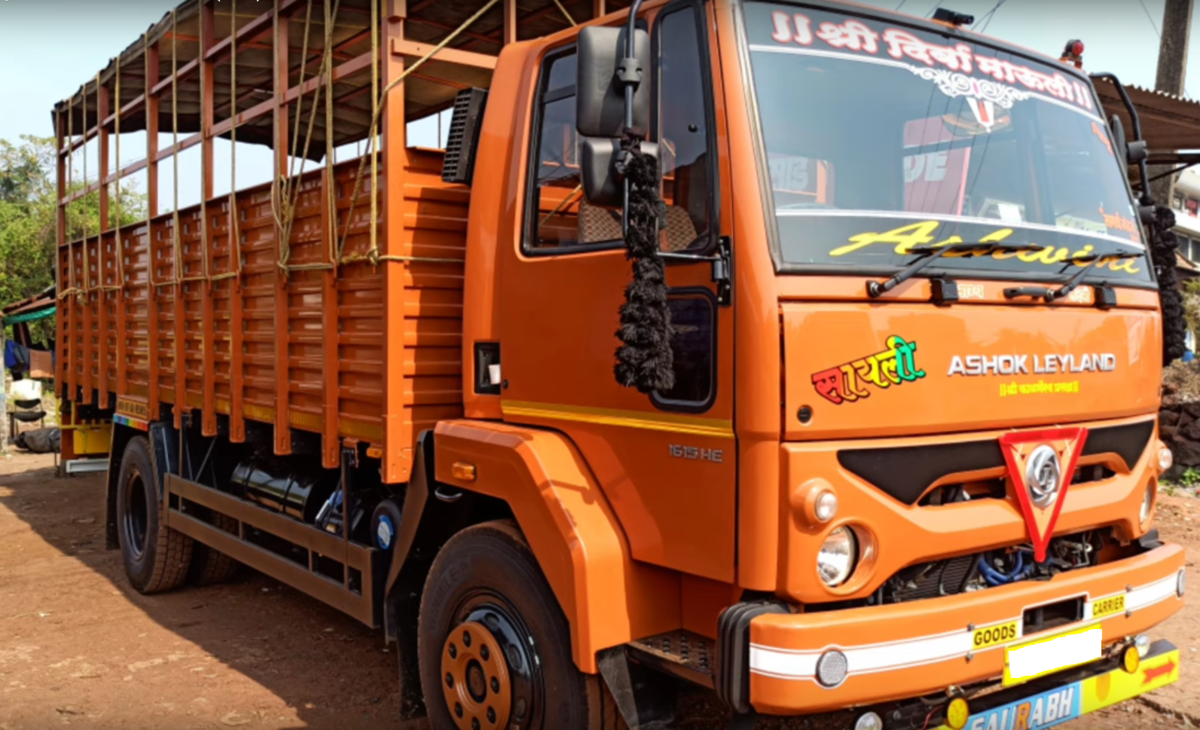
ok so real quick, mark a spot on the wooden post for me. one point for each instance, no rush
(152, 228)
(510, 21)
(237, 419)
(395, 460)
(60, 320)
(598, 8)
(283, 440)
(103, 103)
(208, 415)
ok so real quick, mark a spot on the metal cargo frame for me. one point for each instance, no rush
(329, 301)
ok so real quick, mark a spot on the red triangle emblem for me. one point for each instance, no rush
(1040, 505)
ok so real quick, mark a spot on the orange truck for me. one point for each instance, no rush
(804, 352)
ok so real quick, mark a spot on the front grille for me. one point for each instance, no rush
(906, 473)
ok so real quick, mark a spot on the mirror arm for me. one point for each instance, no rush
(1143, 171)
(629, 73)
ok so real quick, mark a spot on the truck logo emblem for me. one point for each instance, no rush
(1040, 464)
(1042, 475)
(849, 382)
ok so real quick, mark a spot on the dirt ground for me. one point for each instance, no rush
(79, 648)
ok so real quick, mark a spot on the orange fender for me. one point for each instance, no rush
(608, 597)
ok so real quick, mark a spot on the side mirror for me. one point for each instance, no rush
(599, 95)
(600, 108)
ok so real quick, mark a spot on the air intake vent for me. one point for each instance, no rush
(464, 134)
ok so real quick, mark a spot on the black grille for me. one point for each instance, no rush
(906, 472)
(465, 122)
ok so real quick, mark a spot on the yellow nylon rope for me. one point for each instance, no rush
(566, 14)
(372, 254)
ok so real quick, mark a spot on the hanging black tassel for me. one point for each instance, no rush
(1163, 250)
(645, 360)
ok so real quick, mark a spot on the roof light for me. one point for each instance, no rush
(1073, 53)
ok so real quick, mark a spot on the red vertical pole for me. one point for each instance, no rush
(283, 441)
(510, 21)
(71, 303)
(152, 344)
(598, 8)
(329, 296)
(90, 304)
(102, 107)
(395, 461)
(208, 417)
(122, 361)
(60, 319)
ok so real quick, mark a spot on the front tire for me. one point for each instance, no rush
(495, 648)
(156, 557)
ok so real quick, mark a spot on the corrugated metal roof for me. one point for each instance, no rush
(1169, 123)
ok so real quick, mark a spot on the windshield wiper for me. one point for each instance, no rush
(1050, 295)
(928, 254)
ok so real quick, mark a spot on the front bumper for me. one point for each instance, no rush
(913, 649)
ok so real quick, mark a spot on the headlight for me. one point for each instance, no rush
(836, 560)
(1165, 459)
(1148, 501)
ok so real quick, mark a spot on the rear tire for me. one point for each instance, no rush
(485, 589)
(211, 566)
(156, 557)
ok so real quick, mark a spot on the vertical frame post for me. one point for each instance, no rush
(510, 21)
(598, 8)
(329, 294)
(152, 229)
(283, 440)
(237, 419)
(119, 250)
(394, 147)
(208, 413)
(60, 319)
(103, 105)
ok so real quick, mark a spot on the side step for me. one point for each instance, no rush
(680, 653)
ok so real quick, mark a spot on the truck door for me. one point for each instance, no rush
(666, 461)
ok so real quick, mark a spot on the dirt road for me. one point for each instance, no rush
(79, 648)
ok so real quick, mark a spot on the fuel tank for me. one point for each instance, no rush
(293, 487)
(868, 369)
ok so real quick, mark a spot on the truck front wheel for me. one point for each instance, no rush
(156, 557)
(494, 646)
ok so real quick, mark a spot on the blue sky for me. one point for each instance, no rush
(49, 47)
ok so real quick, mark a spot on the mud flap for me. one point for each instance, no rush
(637, 691)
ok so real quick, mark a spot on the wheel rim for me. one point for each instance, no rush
(137, 513)
(490, 676)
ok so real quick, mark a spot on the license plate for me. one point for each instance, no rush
(1043, 656)
(1033, 713)
(1108, 606)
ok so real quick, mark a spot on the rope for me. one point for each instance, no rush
(285, 211)
(566, 14)
(372, 254)
(235, 247)
(330, 201)
(566, 202)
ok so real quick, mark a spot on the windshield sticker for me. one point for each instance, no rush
(1118, 222)
(850, 382)
(903, 238)
(951, 67)
(1103, 137)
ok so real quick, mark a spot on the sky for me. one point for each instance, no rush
(48, 48)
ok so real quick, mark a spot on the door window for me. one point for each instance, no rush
(694, 345)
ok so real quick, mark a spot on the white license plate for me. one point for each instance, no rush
(1043, 656)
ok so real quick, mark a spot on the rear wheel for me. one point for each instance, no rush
(156, 557)
(494, 646)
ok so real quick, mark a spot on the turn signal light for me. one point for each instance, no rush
(464, 471)
(815, 501)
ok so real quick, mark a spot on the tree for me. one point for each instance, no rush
(28, 220)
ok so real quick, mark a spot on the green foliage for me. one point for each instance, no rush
(1190, 477)
(28, 220)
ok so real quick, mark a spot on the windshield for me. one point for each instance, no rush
(880, 137)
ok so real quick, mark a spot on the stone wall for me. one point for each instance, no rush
(1179, 428)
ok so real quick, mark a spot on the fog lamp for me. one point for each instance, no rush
(1166, 459)
(831, 668)
(835, 561)
(1148, 501)
(868, 721)
(1130, 660)
(957, 713)
(1142, 643)
(826, 506)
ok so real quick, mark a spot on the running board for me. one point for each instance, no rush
(680, 653)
